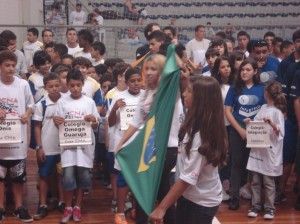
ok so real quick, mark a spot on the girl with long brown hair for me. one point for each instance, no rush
(203, 146)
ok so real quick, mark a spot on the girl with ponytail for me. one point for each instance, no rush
(266, 163)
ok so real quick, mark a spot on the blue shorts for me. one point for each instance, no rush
(111, 163)
(121, 182)
(290, 141)
(75, 177)
(49, 165)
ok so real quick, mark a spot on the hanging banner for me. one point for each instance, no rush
(126, 116)
(258, 134)
(75, 133)
(10, 131)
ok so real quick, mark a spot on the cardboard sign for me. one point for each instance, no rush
(126, 116)
(75, 133)
(258, 134)
(10, 131)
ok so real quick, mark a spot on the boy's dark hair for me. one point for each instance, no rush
(277, 40)
(179, 49)
(158, 35)
(172, 29)
(111, 62)
(40, 58)
(49, 77)
(221, 35)
(86, 35)
(75, 74)
(106, 77)
(119, 69)
(269, 34)
(100, 69)
(218, 42)
(34, 31)
(211, 52)
(71, 29)
(49, 45)
(296, 35)
(230, 38)
(7, 55)
(3, 44)
(81, 61)
(285, 44)
(198, 27)
(61, 49)
(8, 35)
(243, 33)
(148, 28)
(46, 30)
(131, 71)
(258, 43)
(62, 68)
(100, 47)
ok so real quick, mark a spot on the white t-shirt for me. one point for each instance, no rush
(83, 54)
(224, 90)
(95, 63)
(268, 161)
(29, 50)
(70, 108)
(73, 50)
(194, 44)
(90, 86)
(21, 67)
(208, 73)
(205, 186)
(37, 86)
(50, 140)
(77, 18)
(144, 107)
(14, 100)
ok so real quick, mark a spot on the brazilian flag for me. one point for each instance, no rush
(142, 160)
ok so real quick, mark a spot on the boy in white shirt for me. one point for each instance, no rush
(78, 17)
(16, 103)
(31, 46)
(46, 136)
(72, 41)
(77, 161)
(85, 40)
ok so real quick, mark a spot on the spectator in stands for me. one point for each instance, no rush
(72, 41)
(47, 36)
(55, 18)
(10, 40)
(31, 46)
(286, 48)
(132, 13)
(210, 33)
(230, 44)
(97, 52)
(267, 65)
(85, 39)
(98, 17)
(143, 50)
(78, 17)
(171, 32)
(198, 43)
(229, 30)
(269, 37)
(243, 39)
(276, 43)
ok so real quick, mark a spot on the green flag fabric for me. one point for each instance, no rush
(142, 160)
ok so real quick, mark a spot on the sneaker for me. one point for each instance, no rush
(22, 214)
(42, 212)
(67, 215)
(245, 192)
(120, 218)
(2, 214)
(297, 204)
(225, 196)
(234, 204)
(76, 214)
(61, 206)
(269, 214)
(253, 212)
(280, 198)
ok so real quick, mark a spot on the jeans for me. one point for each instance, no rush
(170, 162)
(75, 177)
(260, 181)
(188, 212)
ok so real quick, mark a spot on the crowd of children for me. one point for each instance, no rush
(222, 89)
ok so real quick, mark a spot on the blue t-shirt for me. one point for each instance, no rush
(247, 104)
(269, 71)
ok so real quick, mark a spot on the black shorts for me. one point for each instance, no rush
(15, 170)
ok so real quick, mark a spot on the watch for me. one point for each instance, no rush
(37, 147)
